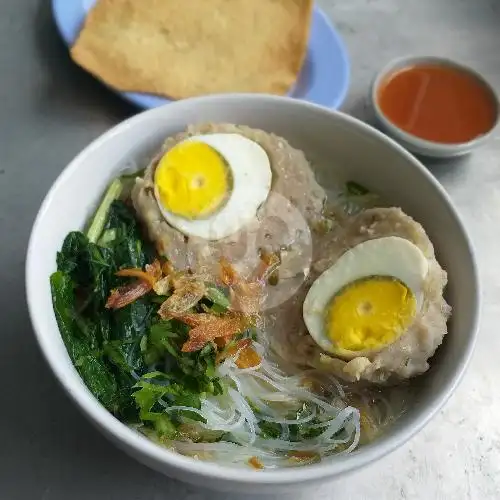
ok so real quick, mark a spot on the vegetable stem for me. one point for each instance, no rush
(108, 236)
(99, 220)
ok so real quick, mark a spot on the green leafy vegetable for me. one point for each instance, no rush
(156, 386)
(104, 345)
(129, 358)
(355, 189)
(299, 432)
(73, 258)
(307, 430)
(164, 426)
(89, 364)
(355, 198)
(129, 247)
(196, 370)
(107, 238)
(217, 297)
(149, 392)
(269, 430)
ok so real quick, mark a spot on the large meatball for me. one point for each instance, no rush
(409, 355)
(281, 224)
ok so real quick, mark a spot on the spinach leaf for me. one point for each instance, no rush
(127, 328)
(102, 273)
(89, 330)
(128, 360)
(90, 267)
(114, 349)
(73, 259)
(133, 320)
(128, 246)
(91, 367)
(109, 341)
(124, 349)
(94, 266)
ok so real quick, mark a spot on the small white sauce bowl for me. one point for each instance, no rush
(412, 142)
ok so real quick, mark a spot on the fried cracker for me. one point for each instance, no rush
(184, 48)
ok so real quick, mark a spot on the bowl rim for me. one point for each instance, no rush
(413, 140)
(153, 453)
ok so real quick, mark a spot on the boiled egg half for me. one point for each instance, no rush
(368, 298)
(211, 185)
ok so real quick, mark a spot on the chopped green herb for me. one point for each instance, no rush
(270, 430)
(217, 297)
(355, 189)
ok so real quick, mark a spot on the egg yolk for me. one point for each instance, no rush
(193, 180)
(370, 313)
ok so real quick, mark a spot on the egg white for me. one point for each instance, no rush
(390, 256)
(251, 183)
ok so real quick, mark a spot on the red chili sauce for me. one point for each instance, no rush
(438, 103)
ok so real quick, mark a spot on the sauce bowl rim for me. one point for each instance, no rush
(412, 139)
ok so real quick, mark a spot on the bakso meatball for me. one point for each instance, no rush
(373, 309)
(227, 190)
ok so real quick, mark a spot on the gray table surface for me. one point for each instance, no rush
(50, 110)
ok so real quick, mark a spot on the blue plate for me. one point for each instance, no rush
(324, 78)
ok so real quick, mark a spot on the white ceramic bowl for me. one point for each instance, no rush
(416, 144)
(344, 146)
